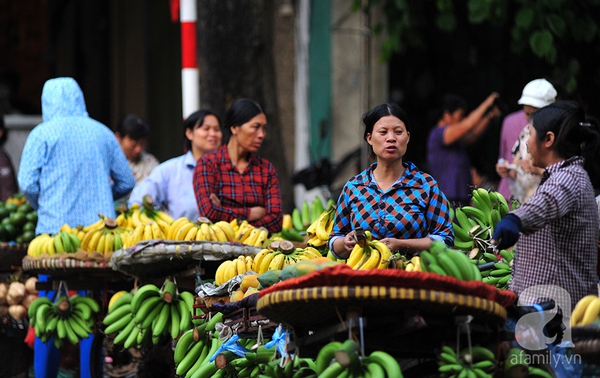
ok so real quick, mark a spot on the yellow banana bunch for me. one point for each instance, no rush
(414, 264)
(146, 213)
(318, 232)
(184, 229)
(256, 236)
(97, 224)
(276, 258)
(586, 311)
(243, 230)
(374, 255)
(287, 222)
(106, 239)
(40, 246)
(231, 268)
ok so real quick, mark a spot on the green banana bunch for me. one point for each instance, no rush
(66, 319)
(498, 268)
(474, 225)
(143, 318)
(195, 347)
(473, 362)
(65, 242)
(336, 358)
(308, 213)
(449, 262)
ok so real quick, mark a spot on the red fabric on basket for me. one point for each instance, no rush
(343, 275)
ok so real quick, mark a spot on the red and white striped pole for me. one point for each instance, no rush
(190, 81)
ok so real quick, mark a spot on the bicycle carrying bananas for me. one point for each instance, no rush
(475, 361)
(319, 230)
(67, 319)
(142, 319)
(368, 253)
(474, 225)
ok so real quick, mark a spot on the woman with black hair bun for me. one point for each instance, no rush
(233, 182)
(400, 205)
(556, 230)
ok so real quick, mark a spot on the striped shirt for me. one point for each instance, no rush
(413, 207)
(258, 185)
(559, 241)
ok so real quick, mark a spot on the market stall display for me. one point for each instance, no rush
(271, 295)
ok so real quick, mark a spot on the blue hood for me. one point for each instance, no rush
(62, 97)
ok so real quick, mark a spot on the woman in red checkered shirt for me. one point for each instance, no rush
(233, 182)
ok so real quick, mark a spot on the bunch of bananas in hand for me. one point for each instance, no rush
(368, 253)
(449, 262)
(473, 362)
(142, 319)
(67, 319)
(281, 254)
(144, 214)
(500, 270)
(474, 225)
(319, 230)
(586, 311)
(106, 238)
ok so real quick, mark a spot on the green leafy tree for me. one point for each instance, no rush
(558, 32)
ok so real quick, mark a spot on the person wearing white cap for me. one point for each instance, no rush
(519, 178)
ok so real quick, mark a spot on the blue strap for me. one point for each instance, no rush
(279, 339)
(231, 345)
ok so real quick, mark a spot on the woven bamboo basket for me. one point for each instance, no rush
(300, 307)
(11, 255)
(158, 258)
(66, 264)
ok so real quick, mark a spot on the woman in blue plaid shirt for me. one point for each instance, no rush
(400, 205)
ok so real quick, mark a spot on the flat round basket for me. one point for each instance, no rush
(158, 258)
(300, 307)
(65, 265)
(11, 255)
(325, 294)
(587, 342)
